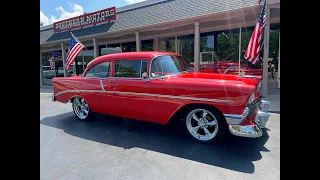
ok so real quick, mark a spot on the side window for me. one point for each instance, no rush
(100, 70)
(131, 68)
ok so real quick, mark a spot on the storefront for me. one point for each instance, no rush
(203, 32)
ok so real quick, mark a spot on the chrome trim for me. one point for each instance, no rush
(236, 118)
(262, 119)
(196, 99)
(151, 64)
(101, 84)
(249, 76)
(264, 105)
(245, 131)
(141, 68)
(147, 94)
(161, 77)
(128, 78)
(68, 91)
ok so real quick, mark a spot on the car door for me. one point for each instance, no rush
(99, 73)
(132, 96)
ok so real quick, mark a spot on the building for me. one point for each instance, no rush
(190, 27)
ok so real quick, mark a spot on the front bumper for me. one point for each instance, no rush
(252, 131)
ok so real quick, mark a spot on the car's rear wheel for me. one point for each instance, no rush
(81, 108)
(205, 124)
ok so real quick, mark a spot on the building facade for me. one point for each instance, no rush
(194, 29)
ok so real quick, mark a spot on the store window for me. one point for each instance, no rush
(186, 48)
(167, 44)
(129, 47)
(207, 42)
(131, 68)
(82, 60)
(147, 45)
(110, 49)
(52, 66)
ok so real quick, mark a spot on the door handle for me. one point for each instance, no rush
(112, 81)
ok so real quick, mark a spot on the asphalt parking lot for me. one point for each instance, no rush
(114, 148)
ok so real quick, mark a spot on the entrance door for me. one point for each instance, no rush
(207, 60)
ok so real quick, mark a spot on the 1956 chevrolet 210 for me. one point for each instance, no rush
(160, 87)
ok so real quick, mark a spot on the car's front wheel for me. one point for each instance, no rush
(205, 124)
(81, 108)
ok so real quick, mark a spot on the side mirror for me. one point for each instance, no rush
(144, 75)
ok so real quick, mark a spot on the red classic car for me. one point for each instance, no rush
(224, 67)
(160, 87)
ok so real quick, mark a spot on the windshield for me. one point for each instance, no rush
(168, 65)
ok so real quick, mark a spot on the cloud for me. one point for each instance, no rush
(133, 1)
(76, 10)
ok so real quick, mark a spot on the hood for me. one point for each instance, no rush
(211, 77)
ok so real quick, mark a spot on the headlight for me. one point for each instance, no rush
(251, 98)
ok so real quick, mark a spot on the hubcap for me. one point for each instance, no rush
(80, 107)
(202, 124)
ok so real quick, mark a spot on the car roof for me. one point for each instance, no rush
(128, 55)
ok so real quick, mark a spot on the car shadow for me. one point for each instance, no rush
(235, 154)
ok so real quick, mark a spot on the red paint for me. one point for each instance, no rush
(152, 104)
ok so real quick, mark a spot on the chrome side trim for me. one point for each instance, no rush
(69, 91)
(245, 131)
(131, 93)
(236, 118)
(196, 99)
(147, 94)
(101, 84)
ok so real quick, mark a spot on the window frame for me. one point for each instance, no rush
(150, 65)
(141, 61)
(110, 71)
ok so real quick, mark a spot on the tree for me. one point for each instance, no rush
(41, 24)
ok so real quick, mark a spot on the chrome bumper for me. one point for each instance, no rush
(245, 131)
(251, 131)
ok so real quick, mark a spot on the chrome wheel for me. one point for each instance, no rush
(202, 124)
(80, 108)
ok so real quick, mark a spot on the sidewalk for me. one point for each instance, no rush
(273, 97)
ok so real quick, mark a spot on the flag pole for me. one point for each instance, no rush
(77, 40)
(239, 49)
(266, 53)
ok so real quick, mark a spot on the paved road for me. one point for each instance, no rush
(113, 148)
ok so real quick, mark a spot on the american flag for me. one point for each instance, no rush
(74, 50)
(253, 50)
(50, 59)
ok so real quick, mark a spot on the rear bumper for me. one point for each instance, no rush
(251, 131)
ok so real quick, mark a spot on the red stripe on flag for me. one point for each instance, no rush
(253, 50)
(76, 51)
(73, 54)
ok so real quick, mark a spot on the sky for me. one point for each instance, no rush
(57, 10)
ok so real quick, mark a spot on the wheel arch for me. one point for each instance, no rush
(176, 116)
